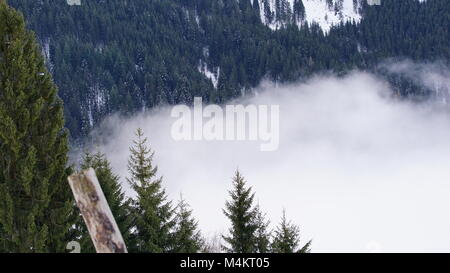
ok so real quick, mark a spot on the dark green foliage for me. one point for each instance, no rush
(406, 29)
(187, 238)
(118, 204)
(36, 206)
(298, 12)
(263, 233)
(117, 55)
(152, 213)
(242, 214)
(287, 238)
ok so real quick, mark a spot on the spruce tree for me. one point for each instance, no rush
(241, 212)
(187, 238)
(118, 203)
(287, 238)
(152, 213)
(262, 234)
(36, 205)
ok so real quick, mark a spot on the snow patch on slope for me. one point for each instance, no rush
(316, 11)
(45, 48)
(212, 75)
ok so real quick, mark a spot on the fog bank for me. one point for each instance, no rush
(356, 169)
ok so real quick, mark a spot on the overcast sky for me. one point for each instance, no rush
(355, 169)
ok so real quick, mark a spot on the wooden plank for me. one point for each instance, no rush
(97, 215)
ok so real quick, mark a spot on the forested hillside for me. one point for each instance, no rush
(129, 55)
(384, 162)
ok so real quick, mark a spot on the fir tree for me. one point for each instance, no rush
(242, 214)
(187, 238)
(287, 238)
(36, 205)
(153, 214)
(114, 195)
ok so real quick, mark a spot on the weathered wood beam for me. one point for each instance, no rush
(97, 215)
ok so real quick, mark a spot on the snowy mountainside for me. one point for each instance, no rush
(326, 13)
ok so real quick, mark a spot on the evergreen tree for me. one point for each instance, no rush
(262, 232)
(36, 205)
(257, 12)
(287, 238)
(268, 13)
(187, 238)
(152, 213)
(298, 11)
(242, 214)
(119, 205)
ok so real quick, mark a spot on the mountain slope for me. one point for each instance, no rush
(126, 56)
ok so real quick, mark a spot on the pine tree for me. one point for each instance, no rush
(36, 205)
(242, 214)
(118, 203)
(187, 238)
(152, 213)
(287, 238)
(262, 232)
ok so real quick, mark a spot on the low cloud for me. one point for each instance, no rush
(356, 169)
(433, 76)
